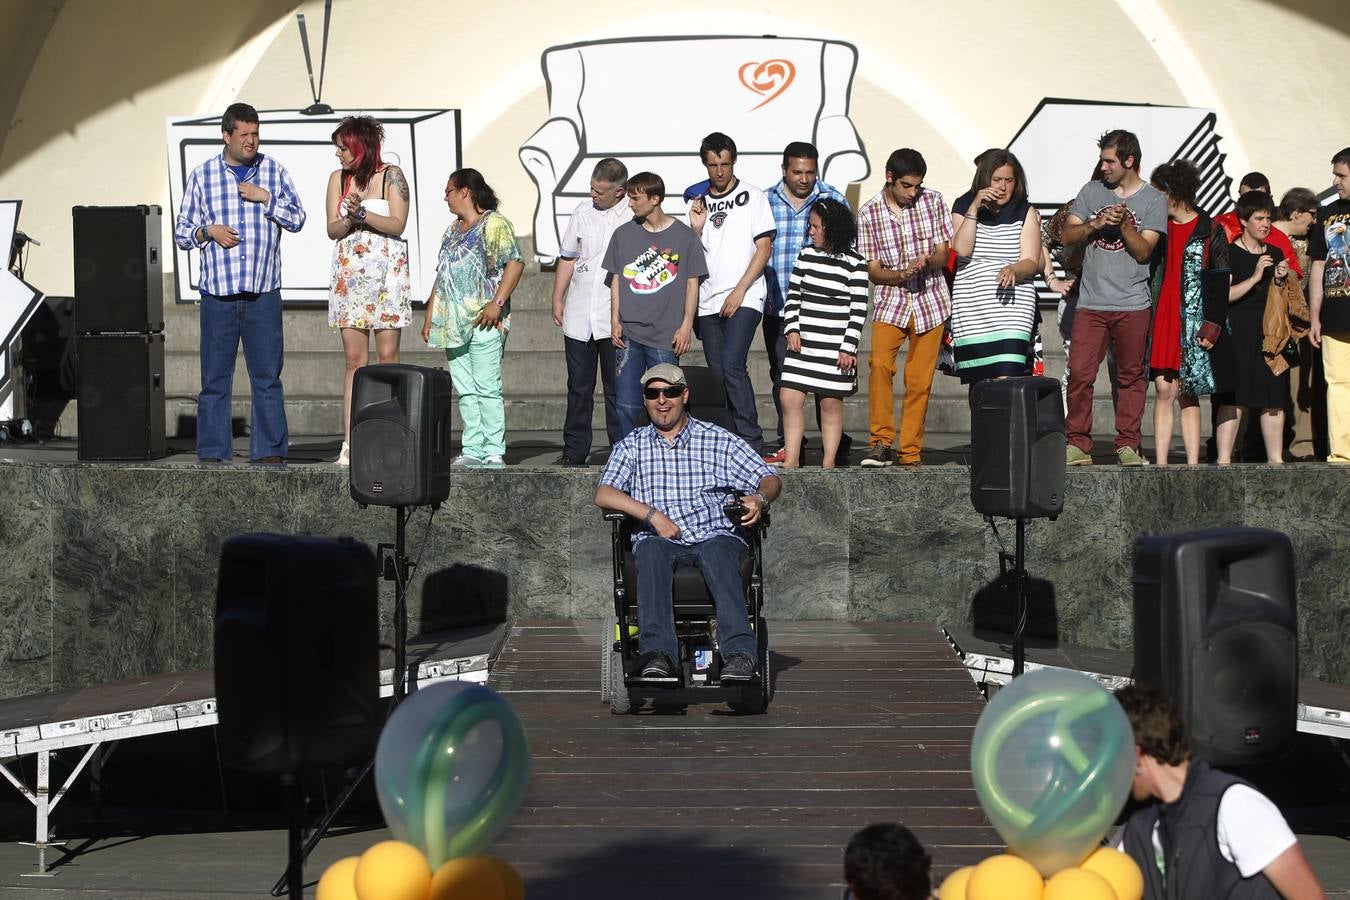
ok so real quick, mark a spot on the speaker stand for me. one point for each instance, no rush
(394, 566)
(1020, 594)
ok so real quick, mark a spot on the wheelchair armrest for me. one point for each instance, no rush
(613, 515)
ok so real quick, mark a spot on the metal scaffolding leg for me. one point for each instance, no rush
(45, 802)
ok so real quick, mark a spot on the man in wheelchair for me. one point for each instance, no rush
(675, 476)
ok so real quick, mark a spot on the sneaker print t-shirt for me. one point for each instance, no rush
(652, 268)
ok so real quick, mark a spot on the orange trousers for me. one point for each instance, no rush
(920, 361)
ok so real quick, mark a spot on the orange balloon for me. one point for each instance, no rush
(954, 886)
(1078, 884)
(513, 887)
(1119, 870)
(393, 870)
(1005, 877)
(467, 878)
(339, 880)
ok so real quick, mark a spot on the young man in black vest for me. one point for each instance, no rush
(1207, 834)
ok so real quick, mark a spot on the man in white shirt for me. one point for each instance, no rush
(735, 224)
(1208, 834)
(581, 308)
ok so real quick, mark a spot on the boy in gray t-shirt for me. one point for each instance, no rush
(654, 264)
(1120, 218)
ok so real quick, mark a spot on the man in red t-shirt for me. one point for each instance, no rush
(1255, 181)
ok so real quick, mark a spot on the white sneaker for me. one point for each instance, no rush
(494, 460)
(345, 456)
(463, 460)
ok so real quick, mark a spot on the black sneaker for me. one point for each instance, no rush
(658, 666)
(879, 455)
(841, 456)
(737, 667)
(570, 462)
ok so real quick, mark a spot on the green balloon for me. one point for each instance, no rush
(451, 769)
(1052, 761)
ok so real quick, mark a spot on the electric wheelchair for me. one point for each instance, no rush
(698, 667)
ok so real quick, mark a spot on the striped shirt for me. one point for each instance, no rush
(689, 480)
(792, 225)
(897, 240)
(211, 197)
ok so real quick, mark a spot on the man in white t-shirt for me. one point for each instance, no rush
(581, 307)
(1208, 834)
(735, 224)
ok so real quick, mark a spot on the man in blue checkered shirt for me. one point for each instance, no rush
(675, 475)
(791, 200)
(234, 208)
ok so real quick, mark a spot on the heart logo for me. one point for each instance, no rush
(769, 78)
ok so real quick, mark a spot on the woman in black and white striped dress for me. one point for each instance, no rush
(998, 251)
(823, 321)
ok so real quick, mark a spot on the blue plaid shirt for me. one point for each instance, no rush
(688, 480)
(792, 237)
(212, 198)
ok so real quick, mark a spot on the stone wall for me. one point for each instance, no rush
(111, 570)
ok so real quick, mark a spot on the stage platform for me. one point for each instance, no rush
(111, 568)
(870, 722)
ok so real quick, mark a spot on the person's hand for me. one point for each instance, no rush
(684, 336)
(616, 333)
(664, 526)
(426, 328)
(351, 203)
(986, 197)
(1282, 270)
(1263, 262)
(848, 363)
(489, 317)
(1204, 343)
(1127, 223)
(558, 304)
(1007, 277)
(252, 193)
(225, 236)
(754, 508)
(1112, 215)
(733, 302)
(698, 214)
(1061, 286)
(1315, 332)
(794, 341)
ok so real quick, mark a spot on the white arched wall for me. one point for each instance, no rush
(947, 78)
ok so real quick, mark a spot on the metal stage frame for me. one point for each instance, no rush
(1323, 708)
(100, 717)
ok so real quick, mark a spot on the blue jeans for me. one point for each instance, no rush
(629, 364)
(775, 345)
(225, 321)
(726, 343)
(719, 558)
(582, 357)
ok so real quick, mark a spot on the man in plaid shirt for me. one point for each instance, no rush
(791, 201)
(234, 209)
(904, 232)
(675, 475)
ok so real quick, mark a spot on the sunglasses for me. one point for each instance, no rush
(670, 391)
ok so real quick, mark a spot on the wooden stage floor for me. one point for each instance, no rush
(870, 722)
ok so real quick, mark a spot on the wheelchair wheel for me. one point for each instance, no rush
(755, 697)
(606, 656)
(620, 703)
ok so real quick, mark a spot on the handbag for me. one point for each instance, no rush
(1209, 331)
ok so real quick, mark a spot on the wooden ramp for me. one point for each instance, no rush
(870, 722)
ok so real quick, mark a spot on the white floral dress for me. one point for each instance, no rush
(370, 287)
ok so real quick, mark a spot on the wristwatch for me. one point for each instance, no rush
(360, 214)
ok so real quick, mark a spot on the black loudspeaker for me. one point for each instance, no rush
(120, 399)
(296, 653)
(1216, 628)
(119, 277)
(1017, 448)
(400, 435)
